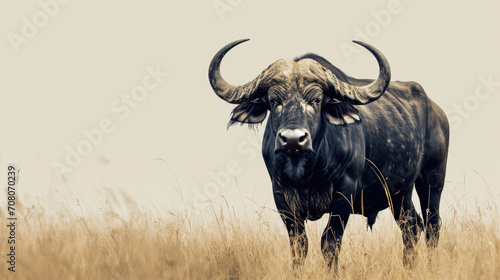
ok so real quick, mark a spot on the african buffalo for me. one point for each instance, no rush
(340, 145)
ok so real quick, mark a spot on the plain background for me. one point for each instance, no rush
(172, 151)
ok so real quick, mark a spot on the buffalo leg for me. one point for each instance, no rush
(298, 238)
(331, 240)
(429, 186)
(409, 222)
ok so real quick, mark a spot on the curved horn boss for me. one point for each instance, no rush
(356, 95)
(368, 93)
(228, 92)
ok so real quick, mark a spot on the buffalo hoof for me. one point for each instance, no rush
(409, 258)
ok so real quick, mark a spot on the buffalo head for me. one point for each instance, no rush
(299, 95)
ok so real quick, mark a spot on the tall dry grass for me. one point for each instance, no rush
(152, 245)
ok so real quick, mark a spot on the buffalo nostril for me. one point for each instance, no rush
(282, 138)
(302, 139)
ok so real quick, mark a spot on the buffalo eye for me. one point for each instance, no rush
(316, 101)
(274, 103)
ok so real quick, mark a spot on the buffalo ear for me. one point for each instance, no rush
(339, 113)
(249, 112)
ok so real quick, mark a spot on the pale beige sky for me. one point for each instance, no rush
(138, 72)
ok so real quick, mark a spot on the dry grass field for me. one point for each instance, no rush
(146, 245)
